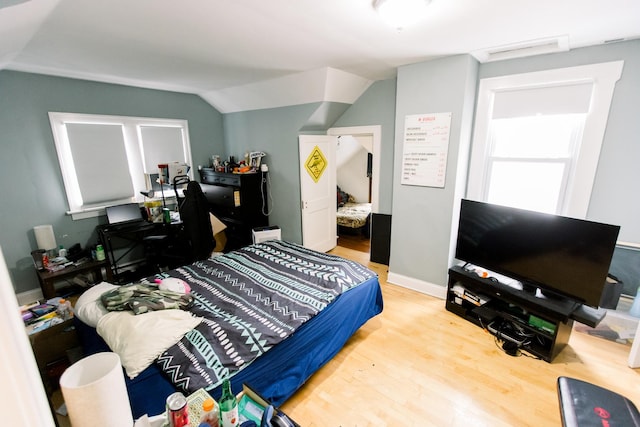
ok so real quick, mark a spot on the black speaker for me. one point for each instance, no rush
(611, 292)
(380, 238)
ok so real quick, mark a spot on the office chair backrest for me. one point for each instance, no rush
(179, 183)
(194, 213)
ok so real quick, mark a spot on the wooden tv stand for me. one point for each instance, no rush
(501, 309)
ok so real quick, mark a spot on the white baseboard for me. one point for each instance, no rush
(30, 296)
(418, 285)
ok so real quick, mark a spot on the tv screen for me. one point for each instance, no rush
(566, 256)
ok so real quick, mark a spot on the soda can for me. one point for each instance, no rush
(177, 410)
(166, 215)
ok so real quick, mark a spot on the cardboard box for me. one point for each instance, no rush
(219, 235)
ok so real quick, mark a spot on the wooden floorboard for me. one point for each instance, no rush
(357, 242)
(417, 364)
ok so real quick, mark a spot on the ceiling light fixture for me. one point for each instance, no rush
(401, 13)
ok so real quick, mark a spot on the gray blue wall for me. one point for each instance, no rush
(32, 190)
(615, 193)
(615, 197)
(377, 107)
(422, 217)
(275, 131)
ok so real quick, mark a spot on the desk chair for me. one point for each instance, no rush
(194, 212)
(180, 182)
(162, 250)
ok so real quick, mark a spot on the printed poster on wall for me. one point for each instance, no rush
(425, 147)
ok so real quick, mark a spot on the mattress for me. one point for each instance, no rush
(353, 215)
(280, 370)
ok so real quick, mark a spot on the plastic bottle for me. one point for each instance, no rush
(209, 414)
(62, 252)
(228, 406)
(64, 309)
(100, 253)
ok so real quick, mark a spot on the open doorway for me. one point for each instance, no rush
(357, 169)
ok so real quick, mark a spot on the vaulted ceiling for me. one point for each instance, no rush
(226, 49)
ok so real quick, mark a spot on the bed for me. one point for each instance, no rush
(268, 315)
(352, 217)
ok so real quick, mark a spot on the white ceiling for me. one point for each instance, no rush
(208, 47)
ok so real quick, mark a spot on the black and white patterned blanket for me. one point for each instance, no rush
(250, 300)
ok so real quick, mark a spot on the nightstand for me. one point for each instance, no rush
(48, 278)
(54, 349)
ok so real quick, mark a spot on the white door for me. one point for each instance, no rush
(318, 191)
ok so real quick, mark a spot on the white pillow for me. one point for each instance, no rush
(139, 340)
(88, 308)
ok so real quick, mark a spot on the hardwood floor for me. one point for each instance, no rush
(357, 242)
(417, 364)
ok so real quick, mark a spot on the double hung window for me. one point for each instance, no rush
(538, 137)
(531, 160)
(108, 160)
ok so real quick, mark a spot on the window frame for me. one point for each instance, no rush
(602, 76)
(133, 145)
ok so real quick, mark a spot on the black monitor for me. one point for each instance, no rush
(566, 256)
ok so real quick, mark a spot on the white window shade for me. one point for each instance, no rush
(162, 144)
(550, 100)
(100, 161)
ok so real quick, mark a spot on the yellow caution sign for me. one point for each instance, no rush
(316, 164)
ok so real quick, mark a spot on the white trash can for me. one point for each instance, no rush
(95, 392)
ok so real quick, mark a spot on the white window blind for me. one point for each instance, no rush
(100, 162)
(162, 144)
(551, 100)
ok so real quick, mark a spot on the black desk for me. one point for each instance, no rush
(126, 246)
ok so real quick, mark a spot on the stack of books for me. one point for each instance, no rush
(40, 316)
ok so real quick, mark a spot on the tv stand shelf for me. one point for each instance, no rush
(541, 326)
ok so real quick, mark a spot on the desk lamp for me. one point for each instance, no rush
(95, 393)
(45, 238)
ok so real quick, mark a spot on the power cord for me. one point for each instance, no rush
(508, 346)
(513, 349)
(266, 208)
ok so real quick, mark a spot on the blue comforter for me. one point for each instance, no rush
(250, 300)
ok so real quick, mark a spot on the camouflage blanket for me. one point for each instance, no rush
(143, 298)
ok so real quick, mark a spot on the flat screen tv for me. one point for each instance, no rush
(562, 256)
